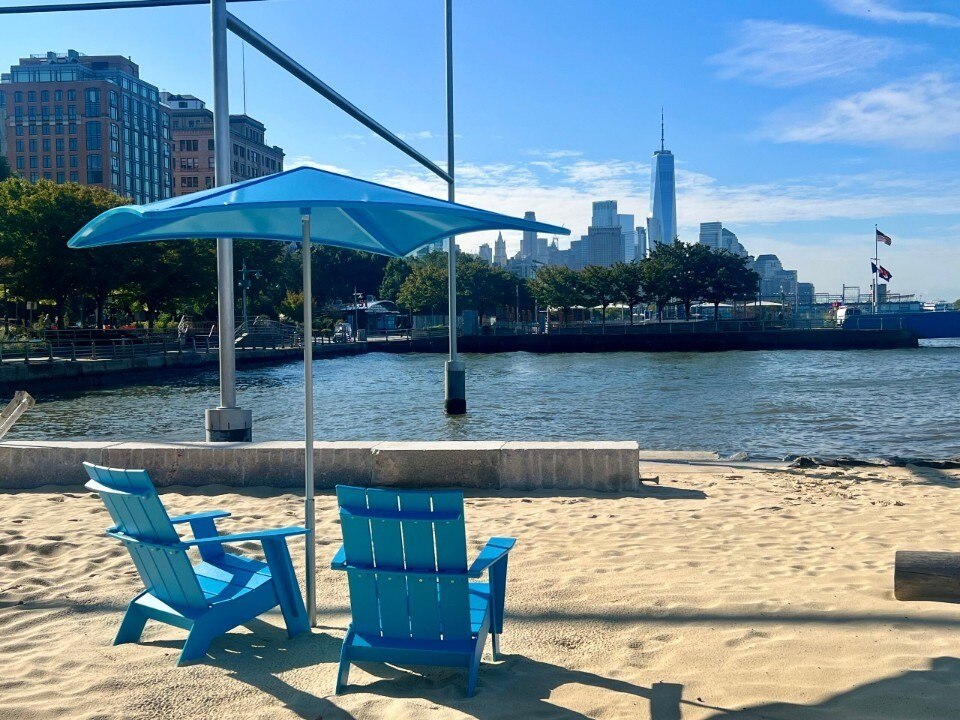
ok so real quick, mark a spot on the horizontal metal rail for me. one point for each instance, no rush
(103, 5)
(256, 40)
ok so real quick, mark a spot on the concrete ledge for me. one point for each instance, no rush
(602, 466)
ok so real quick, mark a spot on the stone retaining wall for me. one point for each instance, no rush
(604, 466)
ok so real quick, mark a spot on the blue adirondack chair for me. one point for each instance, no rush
(411, 599)
(210, 598)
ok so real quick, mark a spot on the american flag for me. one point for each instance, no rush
(885, 239)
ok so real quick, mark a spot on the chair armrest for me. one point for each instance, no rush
(253, 535)
(211, 514)
(495, 550)
(339, 561)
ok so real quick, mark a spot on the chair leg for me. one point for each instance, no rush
(286, 586)
(474, 672)
(343, 672)
(495, 640)
(132, 626)
(198, 641)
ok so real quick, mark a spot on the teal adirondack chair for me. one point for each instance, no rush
(210, 598)
(411, 599)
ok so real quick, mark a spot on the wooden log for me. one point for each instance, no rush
(927, 576)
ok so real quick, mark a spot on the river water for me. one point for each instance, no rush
(769, 404)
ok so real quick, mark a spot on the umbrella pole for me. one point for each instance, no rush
(310, 517)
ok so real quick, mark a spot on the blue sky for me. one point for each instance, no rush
(799, 124)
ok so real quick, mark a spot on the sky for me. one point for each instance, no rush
(799, 123)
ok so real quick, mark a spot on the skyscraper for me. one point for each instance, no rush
(629, 234)
(641, 243)
(605, 214)
(486, 253)
(663, 195)
(500, 251)
(715, 236)
(528, 242)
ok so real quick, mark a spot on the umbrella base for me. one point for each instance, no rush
(228, 425)
(455, 388)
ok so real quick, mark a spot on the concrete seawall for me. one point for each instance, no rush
(89, 373)
(602, 466)
(700, 341)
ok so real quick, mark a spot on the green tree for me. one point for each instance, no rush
(36, 221)
(598, 288)
(394, 273)
(177, 277)
(728, 278)
(425, 288)
(627, 284)
(482, 287)
(5, 171)
(557, 286)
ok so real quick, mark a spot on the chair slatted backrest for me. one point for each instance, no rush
(154, 546)
(407, 557)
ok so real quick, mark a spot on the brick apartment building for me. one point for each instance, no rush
(90, 120)
(193, 147)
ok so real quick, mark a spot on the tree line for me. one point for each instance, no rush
(157, 283)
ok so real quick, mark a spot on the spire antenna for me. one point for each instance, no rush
(662, 147)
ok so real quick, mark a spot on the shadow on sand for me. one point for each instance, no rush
(932, 694)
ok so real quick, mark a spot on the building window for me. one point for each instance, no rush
(189, 163)
(94, 169)
(46, 129)
(71, 94)
(92, 102)
(33, 161)
(46, 146)
(19, 130)
(93, 135)
(18, 96)
(189, 182)
(19, 162)
(189, 146)
(210, 145)
(44, 96)
(20, 146)
(74, 177)
(59, 129)
(59, 144)
(73, 162)
(33, 129)
(32, 144)
(32, 96)
(72, 112)
(60, 178)
(211, 163)
(59, 161)
(72, 128)
(73, 144)
(46, 161)
(57, 95)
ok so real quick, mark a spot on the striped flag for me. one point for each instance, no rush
(884, 238)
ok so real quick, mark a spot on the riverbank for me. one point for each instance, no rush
(62, 373)
(721, 593)
(687, 338)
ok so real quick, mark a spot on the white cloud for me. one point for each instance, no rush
(307, 161)
(418, 135)
(921, 112)
(881, 11)
(786, 54)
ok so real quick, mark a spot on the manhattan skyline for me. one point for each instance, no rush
(799, 125)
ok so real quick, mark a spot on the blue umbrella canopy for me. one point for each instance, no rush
(344, 212)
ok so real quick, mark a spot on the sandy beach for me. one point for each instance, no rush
(720, 593)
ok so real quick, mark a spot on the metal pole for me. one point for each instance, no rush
(876, 269)
(227, 422)
(103, 5)
(455, 402)
(243, 284)
(310, 517)
(258, 41)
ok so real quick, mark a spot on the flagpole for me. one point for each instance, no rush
(876, 266)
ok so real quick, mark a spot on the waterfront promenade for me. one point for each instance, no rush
(42, 364)
(722, 592)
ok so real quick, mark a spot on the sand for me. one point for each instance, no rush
(724, 592)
